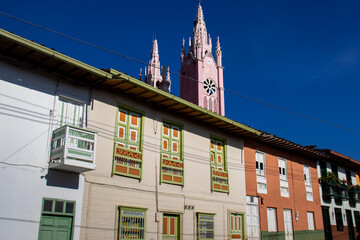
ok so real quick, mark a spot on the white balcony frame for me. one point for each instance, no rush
(73, 149)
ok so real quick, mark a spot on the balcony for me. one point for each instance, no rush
(127, 162)
(73, 149)
(333, 187)
(172, 171)
(219, 181)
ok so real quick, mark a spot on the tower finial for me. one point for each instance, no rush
(140, 74)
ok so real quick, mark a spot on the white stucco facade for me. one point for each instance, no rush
(329, 204)
(27, 116)
(106, 192)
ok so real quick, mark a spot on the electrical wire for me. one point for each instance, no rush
(142, 62)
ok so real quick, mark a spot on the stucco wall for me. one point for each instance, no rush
(297, 195)
(104, 192)
(26, 98)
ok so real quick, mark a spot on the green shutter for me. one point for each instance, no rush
(128, 143)
(219, 173)
(172, 164)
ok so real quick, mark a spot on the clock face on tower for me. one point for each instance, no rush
(209, 86)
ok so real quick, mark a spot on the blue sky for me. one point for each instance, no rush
(300, 55)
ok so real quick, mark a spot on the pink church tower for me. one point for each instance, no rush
(153, 75)
(201, 79)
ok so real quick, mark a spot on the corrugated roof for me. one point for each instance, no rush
(23, 51)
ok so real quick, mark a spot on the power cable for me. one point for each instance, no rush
(192, 79)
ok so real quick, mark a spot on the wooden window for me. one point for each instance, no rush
(131, 223)
(282, 169)
(260, 163)
(271, 217)
(172, 165)
(348, 177)
(69, 112)
(219, 173)
(310, 218)
(334, 170)
(308, 187)
(128, 143)
(205, 226)
(323, 170)
(284, 184)
(260, 172)
(339, 220)
(57, 219)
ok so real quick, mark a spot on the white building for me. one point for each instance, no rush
(340, 195)
(42, 200)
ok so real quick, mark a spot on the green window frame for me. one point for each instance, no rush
(127, 160)
(205, 226)
(172, 164)
(323, 170)
(131, 223)
(58, 207)
(55, 215)
(218, 163)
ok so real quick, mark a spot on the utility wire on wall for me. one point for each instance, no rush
(192, 79)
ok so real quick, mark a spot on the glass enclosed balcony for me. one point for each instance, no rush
(73, 149)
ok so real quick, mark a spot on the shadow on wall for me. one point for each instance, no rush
(57, 178)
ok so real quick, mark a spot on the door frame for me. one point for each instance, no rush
(178, 215)
(327, 224)
(258, 212)
(349, 219)
(58, 214)
(243, 223)
(292, 224)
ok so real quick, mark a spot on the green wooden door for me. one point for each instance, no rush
(55, 228)
(171, 227)
(236, 226)
(327, 224)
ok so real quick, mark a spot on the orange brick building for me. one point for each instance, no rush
(283, 199)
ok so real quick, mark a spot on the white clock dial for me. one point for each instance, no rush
(209, 60)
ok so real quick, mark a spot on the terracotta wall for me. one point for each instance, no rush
(297, 195)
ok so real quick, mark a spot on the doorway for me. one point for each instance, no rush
(288, 225)
(236, 225)
(252, 218)
(326, 221)
(171, 227)
(350, 225)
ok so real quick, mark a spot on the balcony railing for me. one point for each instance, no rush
(127, 162)
(219, 181)
(73, 149)
(333, 187)
(172, 171)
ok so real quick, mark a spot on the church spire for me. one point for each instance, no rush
(153, 76)
(183, 53)
(201, 41)
(201, 73)
(218, 52)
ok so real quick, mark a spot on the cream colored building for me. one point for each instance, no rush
(155, 178)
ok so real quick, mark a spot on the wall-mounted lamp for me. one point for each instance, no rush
(297, 216)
